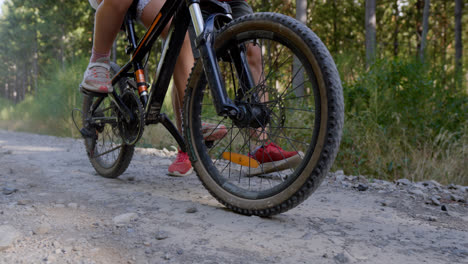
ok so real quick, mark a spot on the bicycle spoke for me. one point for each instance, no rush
(108, 151)
(283, 105)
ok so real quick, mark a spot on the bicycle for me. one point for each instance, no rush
(296, 101)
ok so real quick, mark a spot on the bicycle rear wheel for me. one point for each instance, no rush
(108, 153)
(298, 103)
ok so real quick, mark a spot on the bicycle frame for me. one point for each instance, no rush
(265, 111)
(181, 12)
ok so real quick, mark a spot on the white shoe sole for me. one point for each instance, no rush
(276, 166)
(178, 174)
(93, 89)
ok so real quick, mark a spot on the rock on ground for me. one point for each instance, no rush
(8, 235)
(124, 219)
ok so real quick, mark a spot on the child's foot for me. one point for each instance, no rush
(212, 132)
(97, 77)
(181, 166)
(273, 158)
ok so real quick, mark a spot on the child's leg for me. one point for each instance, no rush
(183, 65)
(108, 20)
(182, 71)
(181, 166)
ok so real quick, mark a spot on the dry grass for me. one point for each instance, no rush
(444, 160)
(371, 151)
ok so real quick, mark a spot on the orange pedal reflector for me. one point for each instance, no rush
(240, 159)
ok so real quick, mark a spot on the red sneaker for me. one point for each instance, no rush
(212, 132)
(273, 158)
(181, 166)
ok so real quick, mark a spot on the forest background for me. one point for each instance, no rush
(403, 65)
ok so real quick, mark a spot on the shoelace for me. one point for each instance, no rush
(181, 156)
(273, 145)
(269, 145)
(99, 72)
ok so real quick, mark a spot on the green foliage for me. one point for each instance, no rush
(403, 121)
(49, 111)
(406, 94)
(37, 33)
(5, 108)
(367, 149)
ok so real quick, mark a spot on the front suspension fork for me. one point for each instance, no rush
(205, 43)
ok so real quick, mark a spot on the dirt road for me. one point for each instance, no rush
(55, 209)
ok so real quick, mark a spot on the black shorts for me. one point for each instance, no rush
(239, 8)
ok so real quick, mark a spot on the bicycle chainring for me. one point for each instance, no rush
(131, 131)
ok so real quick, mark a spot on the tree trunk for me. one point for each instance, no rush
(35, 63)
(7, 93)
(422, 50)
(443, 47)
(397, 28)
(298, 72)
(335, 26)
(458, 41)
(419, 7)
(24, 82)
(62, 47)
(16, 87)
(371, 26)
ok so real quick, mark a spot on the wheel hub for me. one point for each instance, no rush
(252, 116)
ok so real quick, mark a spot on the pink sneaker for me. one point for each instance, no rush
(212, 132)
(273, 158)
(181, 166)
(97, 77)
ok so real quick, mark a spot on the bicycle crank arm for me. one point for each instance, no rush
(240, 159)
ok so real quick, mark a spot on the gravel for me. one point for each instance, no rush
(55, 209)
(8, 236)
(8, 190)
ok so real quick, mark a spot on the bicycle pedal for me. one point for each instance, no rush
(93, 94)
(241, 159)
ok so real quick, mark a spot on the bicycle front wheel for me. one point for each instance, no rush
(276, 160)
